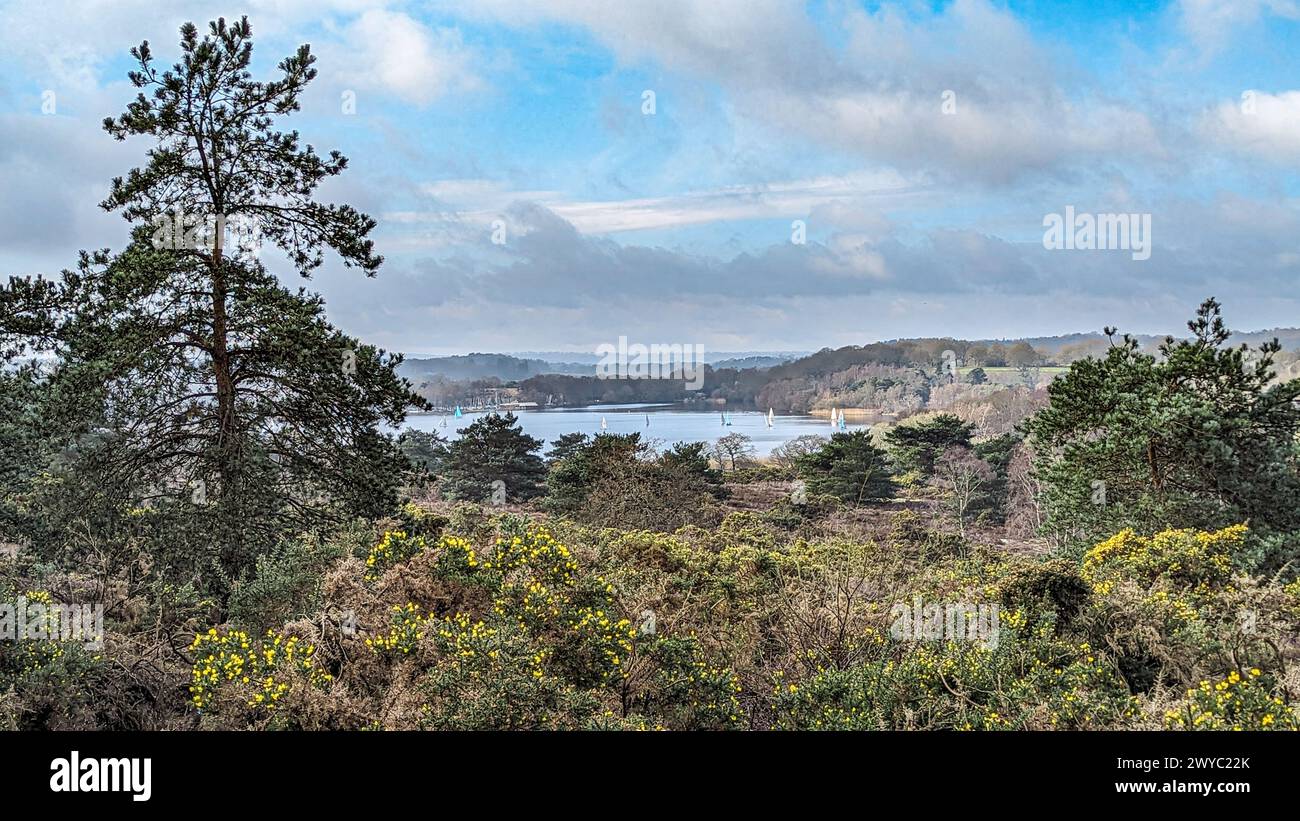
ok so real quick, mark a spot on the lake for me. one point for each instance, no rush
(668, 424)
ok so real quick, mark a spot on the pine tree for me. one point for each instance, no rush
(917, 446)
(566, 445)
(494, 449)
(849, 467)
(586, 464)
(1201, 436)
(214, 391)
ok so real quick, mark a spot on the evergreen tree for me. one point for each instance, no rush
(187, 377)
(916, 446)
(692, 458)
(572, 478)
(565, 446)
(1200, 436)
(997, 453)
(849, 467)
(426, 450)
(491, 449)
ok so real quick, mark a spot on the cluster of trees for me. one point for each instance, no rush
(937, 452)
(609, 479)
(1201, 435)
(619, 480)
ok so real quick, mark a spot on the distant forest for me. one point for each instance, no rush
(898, 378)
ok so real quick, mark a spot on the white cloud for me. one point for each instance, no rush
(67, 42)
(834, 198)
(1211, 23)
(1260, 125)
(879, 94)
(394, 53)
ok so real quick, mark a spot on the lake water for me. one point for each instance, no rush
(668, 424)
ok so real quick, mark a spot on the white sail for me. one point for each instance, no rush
(771, 416)
(603, 424)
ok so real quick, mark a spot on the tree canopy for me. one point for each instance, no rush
(1199, 436)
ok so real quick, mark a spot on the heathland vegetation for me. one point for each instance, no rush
(189, 443)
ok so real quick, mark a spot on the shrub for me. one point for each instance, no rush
(1238, 702)
(252, 679)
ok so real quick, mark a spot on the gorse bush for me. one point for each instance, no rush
(252, 678)
(46, 680)
(519, 627)
(1236, 703)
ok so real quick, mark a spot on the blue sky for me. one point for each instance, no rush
(676, 225)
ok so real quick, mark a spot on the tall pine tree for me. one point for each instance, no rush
(214, 392)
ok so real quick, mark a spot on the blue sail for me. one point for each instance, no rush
(458, 414)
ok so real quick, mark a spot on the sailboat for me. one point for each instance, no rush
(603, 424)
(833, 417)
(647, 420)
(771, 417)
(843, 424)
(726, 419)
(458, 413)
(723, 417)
(444, 420)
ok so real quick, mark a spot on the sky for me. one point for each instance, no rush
(550, 175)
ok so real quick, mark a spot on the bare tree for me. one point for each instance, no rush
(1024, 513)
(733, 449)
(963, 475)
(787, 454)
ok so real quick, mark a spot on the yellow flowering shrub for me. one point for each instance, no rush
(56, 678)
(1029, 680)
(510, 627)
(233, 670)
(1174, 559)
(407, 629)
(495, 676)
(549, 647)
(456, 559)
(688, 691)
(394, 548)
(1238, 702)
(1292, 592)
